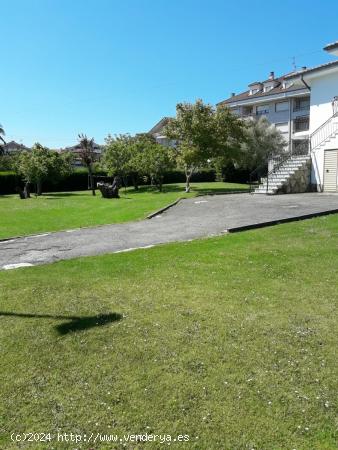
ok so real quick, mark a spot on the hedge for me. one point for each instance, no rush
(78, 180)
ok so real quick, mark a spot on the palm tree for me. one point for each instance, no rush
(2, 133)
(87, 157)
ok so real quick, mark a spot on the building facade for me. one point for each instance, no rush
(303, 105)
(323, 132)
(284, 103)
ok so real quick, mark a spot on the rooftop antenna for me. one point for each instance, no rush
(294, 63)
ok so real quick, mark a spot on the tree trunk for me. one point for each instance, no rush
(160, 183)
(91, 179)
(188, 174)
(187, 182)
(26, 190)
(135, 181)
(39, 187)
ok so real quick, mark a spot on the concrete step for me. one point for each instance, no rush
(291, 166)
(265, 192)
(284, 172)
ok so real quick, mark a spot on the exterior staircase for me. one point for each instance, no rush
(291, 172)
(277, 182)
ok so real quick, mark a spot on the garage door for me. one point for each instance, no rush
(330, 170)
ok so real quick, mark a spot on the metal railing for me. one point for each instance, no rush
(262, 112)
(324, 131)
(301, 108)
(301, 124)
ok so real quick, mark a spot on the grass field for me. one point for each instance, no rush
(60, 211)
(229, 340)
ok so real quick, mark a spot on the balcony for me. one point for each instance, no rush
(301, 124)
(301, 106)
(298, 108)
(262, 112)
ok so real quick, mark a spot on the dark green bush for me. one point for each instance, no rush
(78, 180)
(8, 182)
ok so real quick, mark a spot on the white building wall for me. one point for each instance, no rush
(323, 89)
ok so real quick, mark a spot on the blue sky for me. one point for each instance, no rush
(109, 66)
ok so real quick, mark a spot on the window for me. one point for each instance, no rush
(235, 111)
(268, 88)
(301, 104)
(282, 127)
(282, 106)
(254, 91)
(287, 84)
(262, 109)
(301, 124)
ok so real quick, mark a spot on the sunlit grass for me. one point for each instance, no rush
(231, 340)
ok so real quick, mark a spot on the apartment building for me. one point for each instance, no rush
(284, 103)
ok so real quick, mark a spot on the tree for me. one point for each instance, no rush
(40, 163)
(155, 161)
(138, 165)
(7, 161)
(123, 156)
(262, 140)
(203, 134)
(87, 156)
(117, 155)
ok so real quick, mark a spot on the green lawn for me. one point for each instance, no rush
(229, 340)
(60, 211)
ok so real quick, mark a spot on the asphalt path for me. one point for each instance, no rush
(190, 219)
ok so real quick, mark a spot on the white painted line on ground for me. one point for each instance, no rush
(16, 266)
(72, 231)
(38, 235)
(201, 201)
(8, 240)
(133, 248)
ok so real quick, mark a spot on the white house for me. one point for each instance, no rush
(304, 106)
(323, 82)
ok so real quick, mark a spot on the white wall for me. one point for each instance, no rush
(323, 89)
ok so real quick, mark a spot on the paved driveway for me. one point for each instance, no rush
(189, 219)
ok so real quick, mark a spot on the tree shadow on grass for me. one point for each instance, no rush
(73, 323)
(57, 195)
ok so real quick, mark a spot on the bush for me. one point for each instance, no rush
(232, 175)
(8, 182)
(78, 180)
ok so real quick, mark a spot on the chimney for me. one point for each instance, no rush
(233, 94)
(272, 76)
